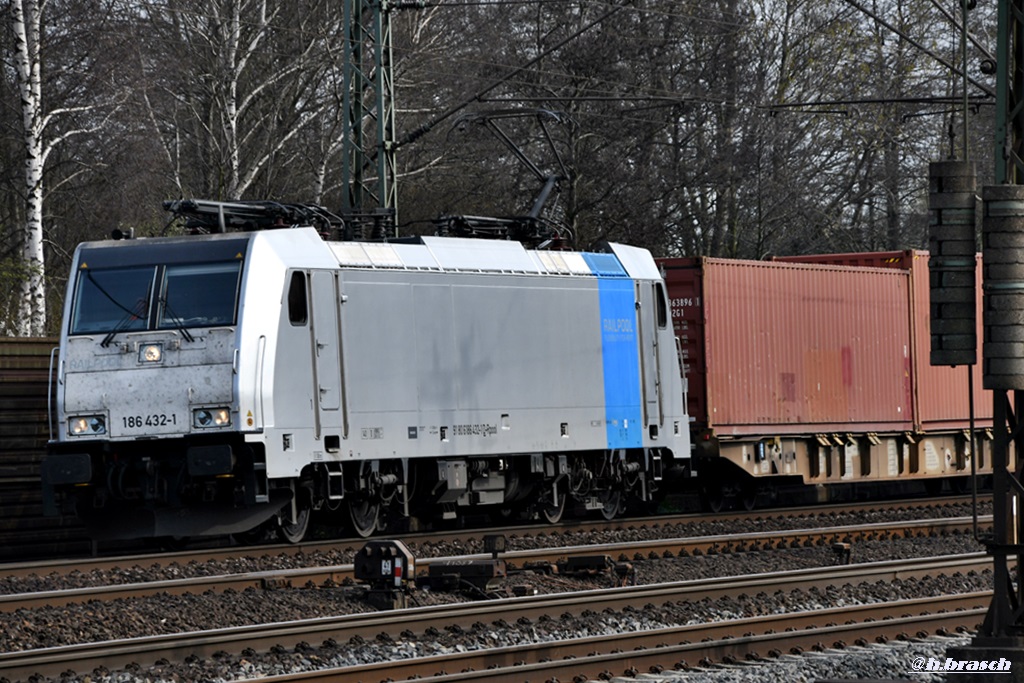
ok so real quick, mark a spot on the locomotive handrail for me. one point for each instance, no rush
(50, 389)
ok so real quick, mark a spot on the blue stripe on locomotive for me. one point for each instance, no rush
(619, 351)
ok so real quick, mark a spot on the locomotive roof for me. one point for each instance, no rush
(304, 247)
(458, 254)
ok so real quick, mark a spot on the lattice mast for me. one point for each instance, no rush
(370, 201)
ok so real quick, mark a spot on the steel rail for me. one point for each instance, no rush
(64, 566)
(658, 650)
(626, 551)
(113, 655)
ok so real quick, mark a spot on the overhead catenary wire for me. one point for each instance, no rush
(956, 25)
(614, 8)
(451, 111)
(903, 34)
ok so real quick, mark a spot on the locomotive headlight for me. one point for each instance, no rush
(87, 425)
(151, 353)
(211, 417)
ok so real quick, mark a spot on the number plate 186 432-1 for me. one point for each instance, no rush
(154, 421)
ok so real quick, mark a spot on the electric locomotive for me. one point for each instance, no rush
(239, 382)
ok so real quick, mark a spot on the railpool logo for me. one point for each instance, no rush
(923, 665)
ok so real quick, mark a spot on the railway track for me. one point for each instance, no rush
(663, 650)
(622, 552)
(781, 517)
(663, 647)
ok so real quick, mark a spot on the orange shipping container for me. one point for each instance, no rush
(778, 349)
(941, 398)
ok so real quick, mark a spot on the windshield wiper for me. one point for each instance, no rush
(141, 309)
(176, 321)
(138, 313)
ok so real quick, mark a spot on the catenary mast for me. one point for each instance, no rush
(368, 162)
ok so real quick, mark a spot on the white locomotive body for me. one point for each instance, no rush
(224, 383)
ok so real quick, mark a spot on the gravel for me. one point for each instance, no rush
(161, 614)
(157, 571)
(881, 662)
(892, 661)
(119, 619)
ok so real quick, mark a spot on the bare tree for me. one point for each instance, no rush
(719, 128)
(44, 130)
(252, 78)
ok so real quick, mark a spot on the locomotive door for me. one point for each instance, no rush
(326, 348)
(647, 297)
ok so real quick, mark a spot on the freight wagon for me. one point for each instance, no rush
(815, 371)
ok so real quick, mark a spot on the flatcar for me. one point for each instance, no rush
(240, 382)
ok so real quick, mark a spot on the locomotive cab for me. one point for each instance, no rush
(147, 399)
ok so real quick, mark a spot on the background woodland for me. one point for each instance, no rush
(713, 128)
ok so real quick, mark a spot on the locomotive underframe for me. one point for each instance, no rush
(196, 485)
(162, 488)
(524, 486)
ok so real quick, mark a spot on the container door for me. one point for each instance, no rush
(325, 340)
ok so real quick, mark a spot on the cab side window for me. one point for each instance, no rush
(661, 304)
(298, 310)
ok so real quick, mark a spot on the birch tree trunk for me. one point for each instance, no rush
(26, 23)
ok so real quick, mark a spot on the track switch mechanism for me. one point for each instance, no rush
(387, 568)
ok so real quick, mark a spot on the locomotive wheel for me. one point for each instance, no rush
(611, 504)
(294, 533)
(510, 514)
(552, 514)
(365, 516)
